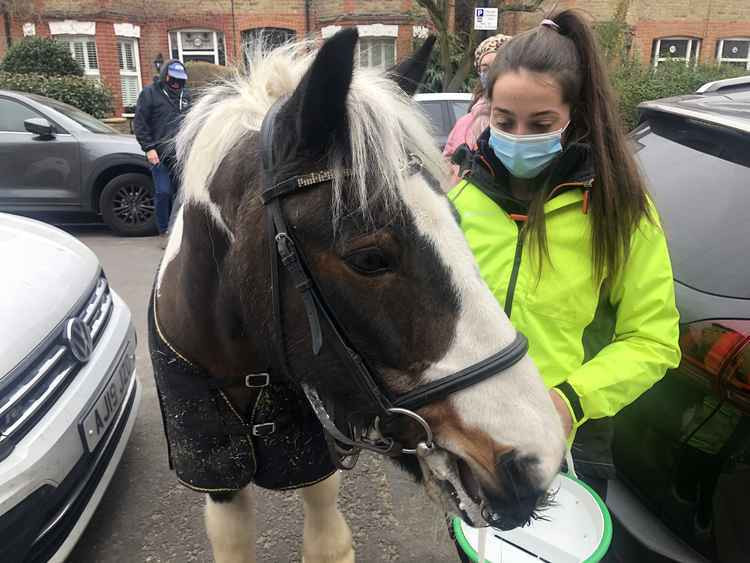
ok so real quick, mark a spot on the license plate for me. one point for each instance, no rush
(99, 418)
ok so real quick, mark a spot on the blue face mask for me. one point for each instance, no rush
(525, 156)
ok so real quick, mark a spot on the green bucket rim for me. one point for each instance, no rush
(599, 552)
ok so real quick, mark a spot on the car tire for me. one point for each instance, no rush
(127, 205)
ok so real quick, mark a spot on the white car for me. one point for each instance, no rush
(443, 110)
(68, 391)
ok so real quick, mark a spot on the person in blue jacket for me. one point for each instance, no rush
(158, 114)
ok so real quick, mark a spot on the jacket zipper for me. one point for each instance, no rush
(514, 271)
(520, 221)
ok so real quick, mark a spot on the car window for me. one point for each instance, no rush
(13, 114)
(82, 118)
(699, 178)
(459, 108)
(434, 111)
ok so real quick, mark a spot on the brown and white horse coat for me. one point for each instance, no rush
(389, 258)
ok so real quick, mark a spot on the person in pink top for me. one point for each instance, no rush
(468, 128)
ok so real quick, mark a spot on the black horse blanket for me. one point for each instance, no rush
(277, 444)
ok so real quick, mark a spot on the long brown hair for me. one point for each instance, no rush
(618, 199)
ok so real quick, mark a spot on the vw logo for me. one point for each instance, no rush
(79, 339)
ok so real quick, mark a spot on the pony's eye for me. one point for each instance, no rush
(368, 261)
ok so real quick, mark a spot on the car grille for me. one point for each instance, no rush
(33, 530)
(34, 386)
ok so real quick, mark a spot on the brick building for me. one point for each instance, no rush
(709, 31)
(117, 41)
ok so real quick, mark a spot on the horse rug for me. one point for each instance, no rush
(277, 443)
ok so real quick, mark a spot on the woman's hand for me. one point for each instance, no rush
(563, 411)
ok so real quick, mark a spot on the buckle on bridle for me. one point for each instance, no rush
(285, 247)
(256, 380)
(264, 429)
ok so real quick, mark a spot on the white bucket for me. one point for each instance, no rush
(577, 527)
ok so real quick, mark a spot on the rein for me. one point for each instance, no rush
(285, 251)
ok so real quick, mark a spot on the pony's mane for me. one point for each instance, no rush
(385, 127)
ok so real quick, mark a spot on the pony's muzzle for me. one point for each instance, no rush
(517, 495)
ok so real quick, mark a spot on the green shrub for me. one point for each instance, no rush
(434, 74)
(635, 82)
(86, 95)
(40, 55)
(612, 38)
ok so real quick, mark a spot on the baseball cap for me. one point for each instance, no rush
(177, 70)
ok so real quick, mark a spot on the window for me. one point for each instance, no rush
(13, 114)
(676, 49)
(460, 108)
(377, 51)
(198, 45)
(130, 72)
(735, 52)
(707, 234)
(83, 50)
(434, 113)
(84, 119)
(265, 37)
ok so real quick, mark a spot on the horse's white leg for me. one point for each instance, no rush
(231, 527)
(327, 536)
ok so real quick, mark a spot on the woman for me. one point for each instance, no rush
(470, 126)
(557, 215)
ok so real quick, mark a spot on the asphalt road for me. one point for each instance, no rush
(146, 515)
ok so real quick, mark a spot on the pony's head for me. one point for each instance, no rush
(388, 257)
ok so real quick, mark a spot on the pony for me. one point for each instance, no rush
(317, 297)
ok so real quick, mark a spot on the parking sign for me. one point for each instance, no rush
(485, 19)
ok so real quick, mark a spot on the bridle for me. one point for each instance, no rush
(346, 445)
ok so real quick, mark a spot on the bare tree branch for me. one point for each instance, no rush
(461, 73)
(439, 12)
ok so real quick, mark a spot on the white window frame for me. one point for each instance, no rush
(383, 63)
(693, 42)
(181, 52)
(136, 73)
(720, 50)
(69, 40)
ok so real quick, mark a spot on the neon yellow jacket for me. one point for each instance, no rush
(600, 346)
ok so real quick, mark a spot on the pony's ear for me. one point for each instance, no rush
(320, 98)
(408, 73)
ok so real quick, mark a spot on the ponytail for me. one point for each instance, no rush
(565, 48)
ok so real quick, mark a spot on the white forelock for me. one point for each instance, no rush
(384, 126)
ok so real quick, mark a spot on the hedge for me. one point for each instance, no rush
(202, 74)
(86, 95)
(635, 82)
(38, 55)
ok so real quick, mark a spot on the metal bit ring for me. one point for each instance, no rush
(426, 444)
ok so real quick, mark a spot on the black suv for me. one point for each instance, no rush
(62, 163)
(682, 450)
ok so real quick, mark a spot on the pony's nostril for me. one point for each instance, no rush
(518, 495)
(506, 457)
(515, 469)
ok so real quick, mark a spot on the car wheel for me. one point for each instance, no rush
(127, 205)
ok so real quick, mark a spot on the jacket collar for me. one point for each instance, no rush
(572, 169)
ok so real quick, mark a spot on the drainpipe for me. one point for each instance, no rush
(307, 18)
(235, 45)
(5, 13)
